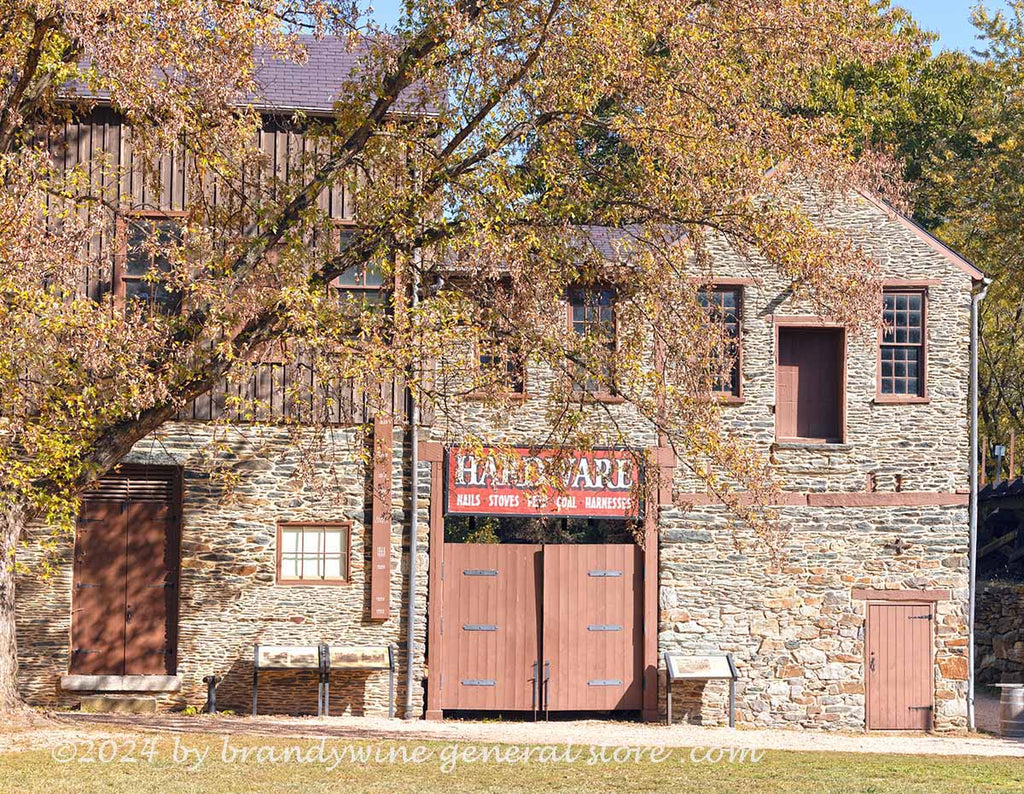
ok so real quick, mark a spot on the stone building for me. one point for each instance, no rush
(859, 622)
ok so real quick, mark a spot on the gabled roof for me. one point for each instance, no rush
(316, 84)
(312, 86)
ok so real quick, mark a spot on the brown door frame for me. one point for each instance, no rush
(433, 452)
(812, 322)
(889, 602)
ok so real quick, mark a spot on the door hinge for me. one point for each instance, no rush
(920, 617)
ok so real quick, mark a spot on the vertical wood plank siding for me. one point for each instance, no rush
(271, 391)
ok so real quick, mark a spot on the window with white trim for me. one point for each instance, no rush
(313, 553)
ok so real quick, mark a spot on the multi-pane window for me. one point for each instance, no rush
(312, 553)
(902, 353)
(145, 265)
(592, 317)
(723, 307)
(501, 362)
(360, 286)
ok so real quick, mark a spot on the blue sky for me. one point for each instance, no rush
(951, 19)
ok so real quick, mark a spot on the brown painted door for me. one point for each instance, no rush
(98, 595)
(490, 626)
(592, 626)
(125, 588)
(809, 384)
(151, 587)
(899, 674)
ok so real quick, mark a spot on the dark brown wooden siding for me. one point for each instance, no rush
(285, 391)
(293, 392)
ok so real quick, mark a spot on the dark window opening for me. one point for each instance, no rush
(145, 265)
(501, 364)
(810, 384)
(592, 318)
(361, 287)
(536, 529)
(902, 352)
(723, 307)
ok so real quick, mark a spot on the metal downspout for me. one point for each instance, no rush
(976, 300)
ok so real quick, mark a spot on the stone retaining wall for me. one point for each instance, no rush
(999, 635)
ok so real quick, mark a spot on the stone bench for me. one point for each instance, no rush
(324, 658)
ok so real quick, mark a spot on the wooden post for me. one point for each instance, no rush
(434, 453)
(380, 531)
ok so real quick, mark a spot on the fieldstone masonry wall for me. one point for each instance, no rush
(792, 623)
(795, 631)
(229, 598)
(1000, 632)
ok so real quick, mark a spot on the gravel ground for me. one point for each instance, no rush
(38, 730)
(43, 732)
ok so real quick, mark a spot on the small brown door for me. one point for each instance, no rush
(592, 627)
(125, 589)
(490, 626)
(809, 384)
(899, 666)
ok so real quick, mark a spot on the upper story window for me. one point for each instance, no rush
(723, 305)
(901, 357)
(361, 286)
(592, 317)
(143, 265)
(312, 553)
(501, 364)
(810, 384)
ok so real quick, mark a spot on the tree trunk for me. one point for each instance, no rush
(12, 521)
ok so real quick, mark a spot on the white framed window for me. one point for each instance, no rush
(313, 552)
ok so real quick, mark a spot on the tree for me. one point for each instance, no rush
(479, 138)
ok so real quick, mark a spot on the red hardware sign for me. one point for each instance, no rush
(600, 483)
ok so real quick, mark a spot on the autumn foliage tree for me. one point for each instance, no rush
(479, 138)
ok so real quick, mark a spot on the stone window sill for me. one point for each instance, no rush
(892, 399)
(812, 446)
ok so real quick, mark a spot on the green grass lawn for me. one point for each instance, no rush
(271, 765)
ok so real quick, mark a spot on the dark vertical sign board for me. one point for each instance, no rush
(380, 534)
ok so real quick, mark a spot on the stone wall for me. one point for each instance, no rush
(791, 621)
(792, 624)
(999, 632)
(229, 598)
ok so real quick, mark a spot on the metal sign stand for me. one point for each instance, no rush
(701, 668)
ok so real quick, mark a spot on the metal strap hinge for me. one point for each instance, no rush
(920, 617)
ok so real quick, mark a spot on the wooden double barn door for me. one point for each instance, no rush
(543, 628)
(900, 677)
(125, 584)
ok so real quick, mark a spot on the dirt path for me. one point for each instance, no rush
(71, 725)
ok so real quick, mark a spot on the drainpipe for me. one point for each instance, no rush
(414, 546)
(976, 300)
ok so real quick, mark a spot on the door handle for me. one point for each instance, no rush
(128, 614)
(871, 664)
(535, 689)
(547, 678)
